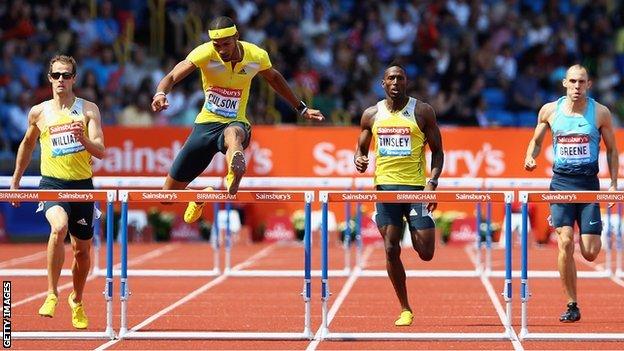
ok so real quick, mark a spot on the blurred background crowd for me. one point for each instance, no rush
(477, 62)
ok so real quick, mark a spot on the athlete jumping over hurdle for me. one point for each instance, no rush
(577, 122)
(70, 132)
(401, 126)
(227, 67)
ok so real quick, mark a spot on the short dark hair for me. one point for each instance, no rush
(396, 63)
(221, 22)
(68, 60)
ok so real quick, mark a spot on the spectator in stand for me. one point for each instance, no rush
(345, 41)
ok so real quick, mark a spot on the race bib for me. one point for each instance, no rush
(62, 140)
(573, 147)
(394, 141)
(223, 102)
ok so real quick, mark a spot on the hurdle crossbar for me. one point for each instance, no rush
(534, 184)
(127, 196)
(253, 183)
(558, 197)
(444, 183)
(108, 196)
(412, 197)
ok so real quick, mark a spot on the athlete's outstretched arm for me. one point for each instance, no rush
(179, 72)
(279, 84)
(366, 134)
(608, 135)
(535, 145)
(434, 140)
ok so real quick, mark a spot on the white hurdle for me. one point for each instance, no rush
(444, 183)
(253, 183)
(127, 196)
(557, 197)
(115, 182)
(108, 196)
(535, 184)
(413, 197)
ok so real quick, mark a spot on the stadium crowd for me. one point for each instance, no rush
(478, 62)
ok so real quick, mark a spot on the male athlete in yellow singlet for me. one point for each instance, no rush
(70, 132)
(227, 67)
(401, 126)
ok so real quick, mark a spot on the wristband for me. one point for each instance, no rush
(302, 108)
(159, 93)
(433, 182)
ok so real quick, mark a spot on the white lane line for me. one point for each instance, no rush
(139, 259)
(24, 259)
(344, 292)
(220, 279)
(502, 314)
(599, 267)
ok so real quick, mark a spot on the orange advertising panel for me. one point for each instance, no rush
(325, 152)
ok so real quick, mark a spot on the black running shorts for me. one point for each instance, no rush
(80, 214)
(393, 213)
(205, 141)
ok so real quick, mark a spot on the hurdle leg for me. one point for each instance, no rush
(307, 279)
(228, 238)
(358, 234)
(123, 291)
(97, 244)
(108, 288)
(214, 239)
(347, 238)
(507, 289)
(488, 238)
(607, 264)
(324, 260)
(479, 265)
(618, 243)
(524, 282)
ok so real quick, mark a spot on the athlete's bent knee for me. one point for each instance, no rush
(426, 255)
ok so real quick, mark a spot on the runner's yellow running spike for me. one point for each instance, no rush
(49, 306)
(235, 172)
(194, 210)
(79, 317)
(405, 319)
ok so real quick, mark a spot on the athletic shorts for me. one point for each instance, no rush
(587, 216)
(205, 141)
(80, 214)
(393, 213)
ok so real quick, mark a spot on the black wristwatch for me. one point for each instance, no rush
(433, 182)
(301, 108)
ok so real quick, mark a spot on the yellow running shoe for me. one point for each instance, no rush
(405, 319)
(49, 306)
(194, 210)
(235, 172)
(79, 317)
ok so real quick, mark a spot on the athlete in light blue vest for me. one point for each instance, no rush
(577, 123)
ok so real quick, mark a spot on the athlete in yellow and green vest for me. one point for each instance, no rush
(401, 126)
(227, 66)
(70, 133)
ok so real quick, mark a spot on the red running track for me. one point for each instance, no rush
(274, 304)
